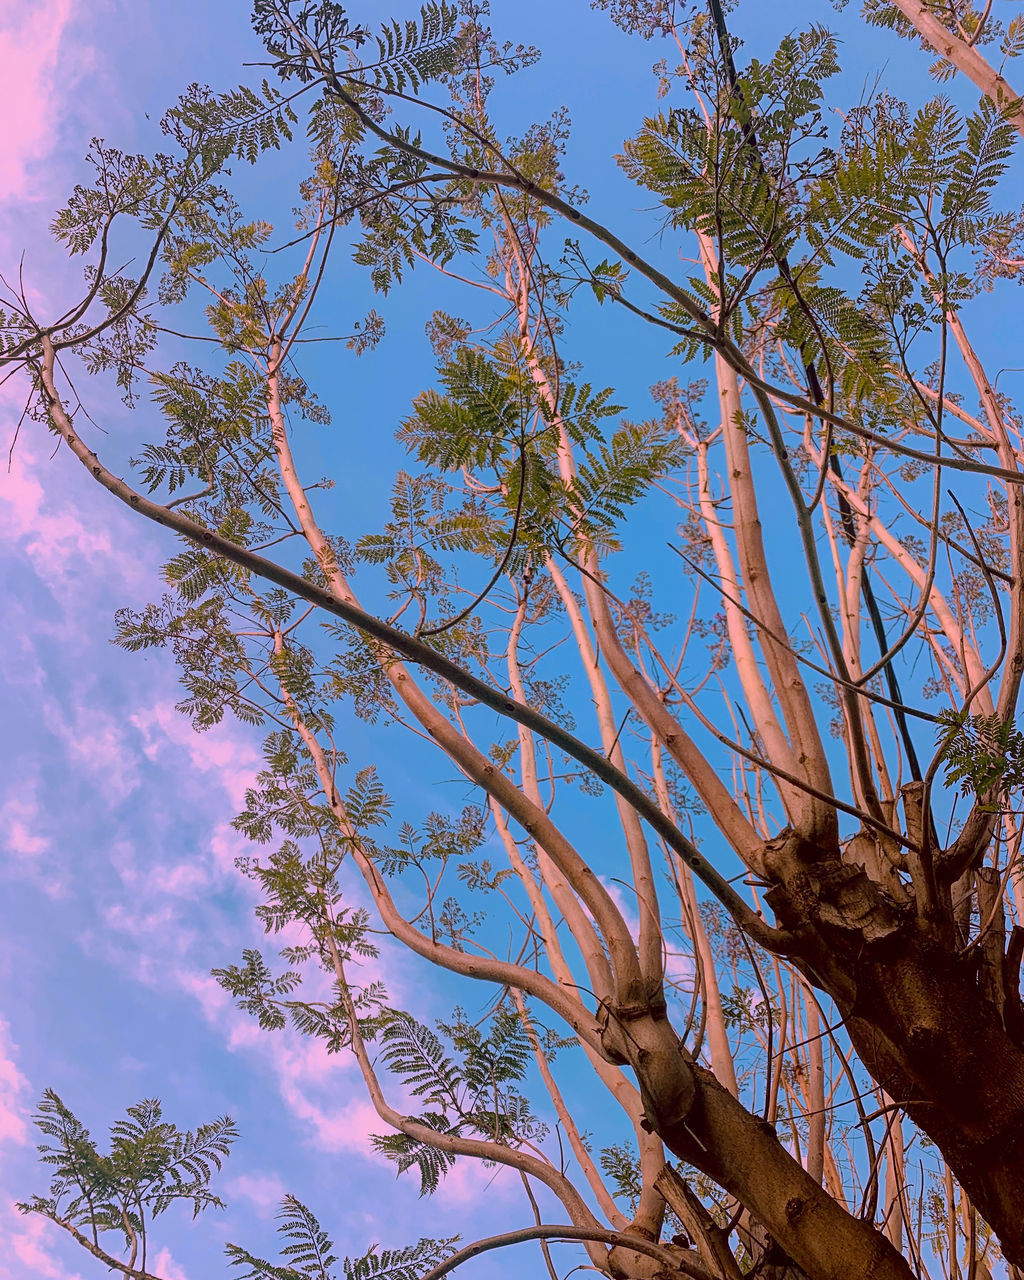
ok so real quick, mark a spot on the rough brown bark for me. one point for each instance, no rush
(921, 1014)
(701, 1123)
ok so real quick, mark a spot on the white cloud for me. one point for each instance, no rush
(264, 1191)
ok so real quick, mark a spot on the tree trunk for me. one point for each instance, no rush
(701, 1123)
(924, 1029)
(923, 1015)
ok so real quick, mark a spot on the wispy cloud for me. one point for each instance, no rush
(222, 753)
(21, 816)
(13, 1093)
(264, 1191)
(30, 39)
(55, 522)
(55, 537)
(27, 1248)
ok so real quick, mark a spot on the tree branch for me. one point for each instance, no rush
(667, 1257)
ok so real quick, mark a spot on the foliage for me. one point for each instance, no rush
(150, 1166)
(983, 756)
(473, 1093)
(309, 1252)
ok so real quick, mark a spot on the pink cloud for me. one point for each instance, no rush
(55, 537)
(13, 1088)
(97, 744)
(219, 750)
(298, 1058)
(336, 1129)
(30, 37)
(226, 844)
(182, 880)
(165, 1266)
(24, 1247)
(49, 536)
(19, 822)
(137, 923)
(302, 1068)
(188, 880)
(470, 1181)
(213, 1000)
(26, 1242)
(262, 1190)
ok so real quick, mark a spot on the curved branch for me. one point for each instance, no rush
(485, 968)
(453, 1144)
(107, 1259)
(668, 1257)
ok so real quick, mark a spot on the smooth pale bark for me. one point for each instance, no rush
(754, 688)
(473, 762)
(395, 642)
(680, 745)
(965, 58)
(565, 1118)
(669, 1260)
(582, 930)
(108, 1260)
(703, 323)
(517, 982)
(817, 821)
(937, 602)
(717, 1032)
(559, 997)
(652, 940)
(815, 1090)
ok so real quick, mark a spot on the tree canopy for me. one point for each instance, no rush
(729, 884)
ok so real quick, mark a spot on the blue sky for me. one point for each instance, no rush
(117, 887)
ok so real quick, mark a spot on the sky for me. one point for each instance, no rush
(118, 891)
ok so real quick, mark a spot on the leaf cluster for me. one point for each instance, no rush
(149, 1166)
(983, 756)
(308, 1253)
(467, 1085)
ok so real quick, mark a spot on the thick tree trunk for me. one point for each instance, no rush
(936, 1023)
(927, 1033)
(701, 1123)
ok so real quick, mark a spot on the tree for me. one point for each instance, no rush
(827, 716)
